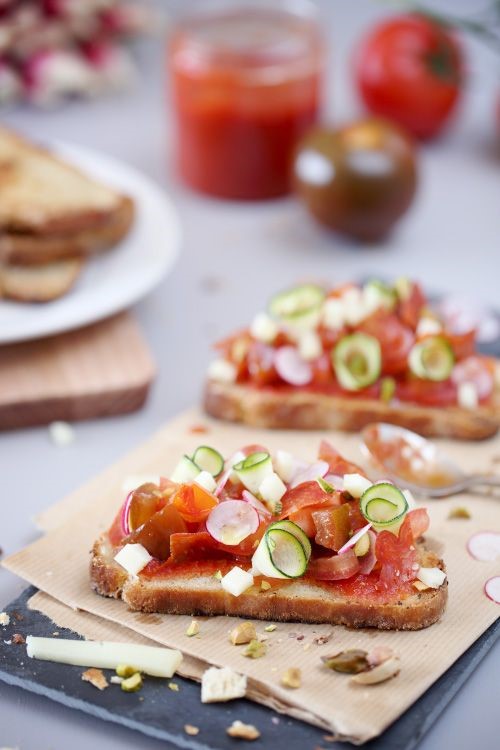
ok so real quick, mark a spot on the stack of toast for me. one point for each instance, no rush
(52, 218)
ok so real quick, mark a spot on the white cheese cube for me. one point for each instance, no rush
(355, 309)
(333, 313)
(220, 685)
(264, 328)
(236, 581)
(206, 480)
(432, 577)
(61, 433)
(310, 346)
(285, 465)
(272, 490)
(356, 484)
(428, 326)
(467, 395)
(133, 557)
(222, 371)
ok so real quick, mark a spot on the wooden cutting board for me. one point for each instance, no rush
(96, 371)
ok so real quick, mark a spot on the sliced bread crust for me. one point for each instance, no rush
(306, 410)
(298, 600)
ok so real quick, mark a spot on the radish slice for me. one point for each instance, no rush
(223, 481)
(309, 474)
(367, 562)
(255, 503)
(126, 513)
(291, 367)
(484, 546)
(474, 370)
(355, 537)
(492, 589)
(232, 521)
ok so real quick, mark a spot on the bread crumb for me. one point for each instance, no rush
(18, 638)
(4, 619)
(243, 731)
(291, 678)
(220, 685)
(96, 678)
(459, 512)
(320, 640)
(191, 730)
(61, 433)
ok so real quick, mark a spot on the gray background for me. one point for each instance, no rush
(233, 257)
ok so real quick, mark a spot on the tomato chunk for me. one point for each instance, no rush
(305, 494)
(334, 568)
(193, 502)
(156, 533)
(333, 526)
(395, 338)
(197, 546)
(410, 308)
(337, 464)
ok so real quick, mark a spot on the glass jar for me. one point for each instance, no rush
(246, 82)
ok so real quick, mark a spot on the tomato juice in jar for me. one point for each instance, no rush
(246, 83)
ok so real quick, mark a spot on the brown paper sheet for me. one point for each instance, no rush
(58, 564)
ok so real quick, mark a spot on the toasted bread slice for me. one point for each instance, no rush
(30, 249)
(39, 283)
(43, 196)
(303, 600)
(289, 408)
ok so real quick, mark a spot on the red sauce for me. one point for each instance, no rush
(246, 86)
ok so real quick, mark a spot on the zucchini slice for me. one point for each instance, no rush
(185, 471)
(383, 504)
(280, 555)
(432, 359)
(297, 532)
(298, 306)
(208, 459)
(357, 361)
(253, 469)
(384, 294)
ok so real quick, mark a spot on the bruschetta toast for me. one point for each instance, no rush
(344, 358)
(272, 537)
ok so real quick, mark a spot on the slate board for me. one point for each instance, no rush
(160, 713)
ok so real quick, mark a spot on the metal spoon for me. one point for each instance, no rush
(407, 458)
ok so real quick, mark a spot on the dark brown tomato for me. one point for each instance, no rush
(358, 180)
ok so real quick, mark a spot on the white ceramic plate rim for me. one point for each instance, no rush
(157, 219)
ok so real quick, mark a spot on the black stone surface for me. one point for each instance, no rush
(159, 712)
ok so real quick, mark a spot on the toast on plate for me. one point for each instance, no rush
(51, 210)
(344, 358)
(39, 283)
(273, 537)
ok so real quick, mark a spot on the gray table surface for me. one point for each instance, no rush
(233, 257)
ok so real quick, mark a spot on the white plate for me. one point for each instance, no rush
(116, 279)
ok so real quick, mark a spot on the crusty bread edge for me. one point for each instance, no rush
(302, 601)
(306, 410)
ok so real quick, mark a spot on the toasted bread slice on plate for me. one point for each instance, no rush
(42, 283)
(272, 537)
(44, 198)
(356, 354)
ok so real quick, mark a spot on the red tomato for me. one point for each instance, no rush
(322, 370)
(260, 363)
(197, 546)
(427, 392)
(395, 339)
(463, 344)
(410, 69)
(304, 518)
(397, 559)
(333, 526)
(193, 502)
(335, 461)
(409, 309)
(335, 568)
(156, 533)
(307, 493)
(415, 525)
